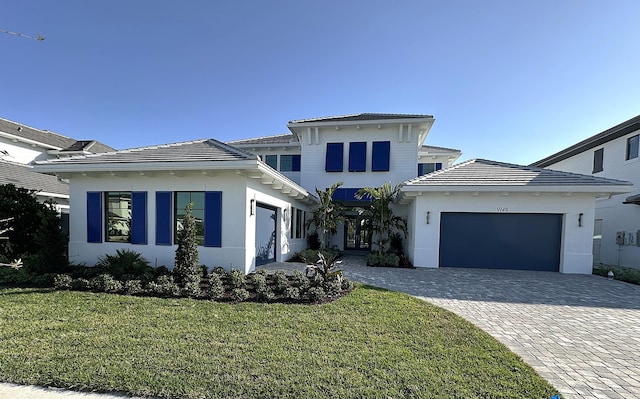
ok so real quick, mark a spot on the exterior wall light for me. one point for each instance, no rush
(428, 216)
(252, 207)
(580, 220)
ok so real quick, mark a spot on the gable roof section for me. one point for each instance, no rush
(486, 175)
(361, 117)
(613, 133)
(23, 176)
(275, 139)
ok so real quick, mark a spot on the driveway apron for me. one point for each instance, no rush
(580, 332)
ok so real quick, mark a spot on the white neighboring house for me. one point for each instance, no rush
(250, 213)
(22, 145)
(612, 153)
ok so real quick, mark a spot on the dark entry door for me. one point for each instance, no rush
(265, 234)
(357, 234)
(522, 241)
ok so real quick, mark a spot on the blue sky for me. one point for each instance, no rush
(513, 81)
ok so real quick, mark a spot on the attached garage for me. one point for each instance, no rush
(494, 215)
(520, 241)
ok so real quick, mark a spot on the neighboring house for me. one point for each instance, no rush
(612, 153)
(22, 145)
(251, 198)
(246, 213)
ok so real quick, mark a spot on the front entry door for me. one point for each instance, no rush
(357, 234)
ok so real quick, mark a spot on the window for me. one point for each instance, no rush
(425, 168)
(291, 222)
(182, 199)
(271, 160)
(598, 156)
(334, 157)
(380, 156)
(290, 163)
(357, 157)
(118, 216)
(299, 223)
(632, 147)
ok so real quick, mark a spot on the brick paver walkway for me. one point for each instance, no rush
(581, 333)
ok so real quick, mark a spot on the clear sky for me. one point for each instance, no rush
(512, 80)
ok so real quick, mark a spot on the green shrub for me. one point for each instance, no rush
(281, 281)
(13, 277)
(261, 272)
(292, 293)
(258, 280)
(396, 243)
(43, 280)
(216, 287)
(164, 286)
(191, 286)
(316, 294)
(625, 274)
(221, 271)
(264, 294)
(239, 295)
(333, 286)
(133, 287)
(311, 256)
(126, 263)
(346, 285)
(105, 283)
(80, 284)
(313, 241)
(299, 280)
(186, 260)
(391, 260)
(237, 279)
(62, 282)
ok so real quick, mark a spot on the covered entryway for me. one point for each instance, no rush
(520, 241)
(357, 233)
(266, 217)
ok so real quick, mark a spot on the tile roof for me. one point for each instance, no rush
(47, 137)
(275, 139)
(23, 176)
(482, 172)
(433, 148)
(613, 133)
(362, 117)
(91, 146)
(187, 151)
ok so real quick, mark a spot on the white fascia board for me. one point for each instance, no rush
(67, 167)
(52, 195)
(262, 145)
(27, 141)
(611, 190)
(285, 181)
(412, 121)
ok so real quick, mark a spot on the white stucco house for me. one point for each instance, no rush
(251, 198)
(614, 154)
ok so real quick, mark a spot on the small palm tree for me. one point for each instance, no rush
(379, 212)
(326, 216)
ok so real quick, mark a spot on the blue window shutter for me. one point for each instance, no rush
(333, 162)
(213, 218)
(163, 218)
(357, 157)
(295, 163)
(94, 216)
(438, 166)
(381, 155)
(420, 169)
(139, 217)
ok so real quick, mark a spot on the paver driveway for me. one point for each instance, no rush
(581, 333)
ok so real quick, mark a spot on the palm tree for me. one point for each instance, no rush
(383, 221)
(326, 216)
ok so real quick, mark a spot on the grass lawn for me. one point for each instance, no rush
(372, 343)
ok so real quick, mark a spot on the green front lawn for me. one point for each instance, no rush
(371, 343)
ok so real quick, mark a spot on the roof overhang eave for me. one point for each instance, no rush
(588, 189)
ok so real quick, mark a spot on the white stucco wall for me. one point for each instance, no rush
(22, 152)
(575, 257)
(615, 215)
(238, 228)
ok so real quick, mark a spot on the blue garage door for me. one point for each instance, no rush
(520, 241)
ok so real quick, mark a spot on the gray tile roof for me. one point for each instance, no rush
(613, 133)
(433, 148)
(47, 137)
(188, 151)
(361, 117)
(482, 172)
(23, 176)
(276, 139)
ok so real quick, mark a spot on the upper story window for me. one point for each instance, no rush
(334, 157)
(598, 156)
(118, 216)
(290, 163)
(425, 168)
(632, 147)
(182, 199)
(271, 160)
(358, 157)
(380, 156)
